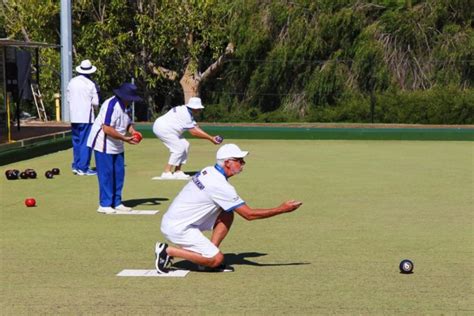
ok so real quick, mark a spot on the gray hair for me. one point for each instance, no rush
(221, 162)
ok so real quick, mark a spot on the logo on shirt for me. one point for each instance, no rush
(197, 182)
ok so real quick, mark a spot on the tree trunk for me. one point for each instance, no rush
(192, 79)
(190, 83)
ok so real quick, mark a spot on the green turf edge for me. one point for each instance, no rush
(31, 148)
(264, 132)
(28, 150)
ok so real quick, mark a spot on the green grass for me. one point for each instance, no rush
(367, 206)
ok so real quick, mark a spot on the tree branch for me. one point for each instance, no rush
(217, 65)
(162, 71)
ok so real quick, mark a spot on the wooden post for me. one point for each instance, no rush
(57, 96)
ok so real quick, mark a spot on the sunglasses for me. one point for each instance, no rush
(240, 160)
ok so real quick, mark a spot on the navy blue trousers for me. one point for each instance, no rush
(111, 176)
(81, 153)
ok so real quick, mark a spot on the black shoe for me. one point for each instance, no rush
(161, 258)
(221, 268)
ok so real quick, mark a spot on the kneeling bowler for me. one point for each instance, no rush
(208, 202)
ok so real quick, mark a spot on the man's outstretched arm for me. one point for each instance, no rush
(257, 213)
(198, 132)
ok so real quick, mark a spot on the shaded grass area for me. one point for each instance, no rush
(367, 206)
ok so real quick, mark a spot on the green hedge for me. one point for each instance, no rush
(435, 106)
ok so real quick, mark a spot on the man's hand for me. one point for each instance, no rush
(112, 132)
(137, 136)
(290, 206)
(217, 139)
(130, 139)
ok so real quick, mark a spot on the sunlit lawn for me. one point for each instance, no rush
(367, 206)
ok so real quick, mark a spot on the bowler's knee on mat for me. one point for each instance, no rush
(195, 257)
(216, 261)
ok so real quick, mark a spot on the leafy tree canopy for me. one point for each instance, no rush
(296, 56)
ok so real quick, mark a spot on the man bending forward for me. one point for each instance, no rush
(208, 202)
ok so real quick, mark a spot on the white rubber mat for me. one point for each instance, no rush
(167, 179)
(135, 212)
(153, 273)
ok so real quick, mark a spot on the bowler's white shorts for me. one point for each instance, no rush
(191, 239)
(177, 145)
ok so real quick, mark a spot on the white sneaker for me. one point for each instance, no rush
(89, 172)
(123, 208)
(105, 210)
(181, 175)
(167, 175)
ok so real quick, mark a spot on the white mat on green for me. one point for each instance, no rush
(135, 212)
(153, 273)
(168, 179)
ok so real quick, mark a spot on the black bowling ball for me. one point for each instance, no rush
(31, 174)
(11, 175)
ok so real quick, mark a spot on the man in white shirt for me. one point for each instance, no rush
(82, 96)
(107, 136)
(208, 202)
(170, 127)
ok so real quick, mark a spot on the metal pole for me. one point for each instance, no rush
(133, 104)
(66, 55)
(7, 99)
(4, 74)
(37, 68)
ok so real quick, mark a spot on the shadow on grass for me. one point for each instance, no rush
(191, 173)
(238, 259)
(241, 259)
(145, 201)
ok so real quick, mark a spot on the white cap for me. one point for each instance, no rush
(86, 67)
(195, 103)
(230, 151)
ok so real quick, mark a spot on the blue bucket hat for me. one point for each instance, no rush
(128, 92)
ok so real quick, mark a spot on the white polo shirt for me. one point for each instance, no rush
(114, 114)
(82, 96)
(201, 200)
(175, 121)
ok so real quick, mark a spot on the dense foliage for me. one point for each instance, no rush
(303, 60)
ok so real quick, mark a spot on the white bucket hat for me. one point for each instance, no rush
(86, 67)
(230, 151)
(195, 103)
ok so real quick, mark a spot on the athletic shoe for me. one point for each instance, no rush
(161, 257)
(89, 172)
(105, 210)
(74, 171)
(181, 175)
(221, 268)
(123, 208)
(167, 175)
